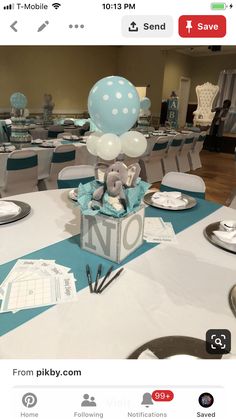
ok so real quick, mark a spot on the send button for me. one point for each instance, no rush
(147, 26)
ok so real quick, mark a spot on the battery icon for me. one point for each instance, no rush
(218, 6)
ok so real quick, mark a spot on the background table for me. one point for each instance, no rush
(166, 290)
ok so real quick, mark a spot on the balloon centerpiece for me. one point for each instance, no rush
(144, 115)
(117, 191)
(19, 129)
(114, 107)
(18, 103)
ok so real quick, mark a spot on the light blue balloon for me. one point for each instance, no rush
(145, 103)
(114, 104)
(18, 100)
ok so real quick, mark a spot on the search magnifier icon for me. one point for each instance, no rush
(218, 341)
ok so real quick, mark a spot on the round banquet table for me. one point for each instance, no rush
(167, 290)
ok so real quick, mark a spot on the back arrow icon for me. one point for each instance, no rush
(13, 26)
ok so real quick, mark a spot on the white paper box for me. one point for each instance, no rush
(112, 238)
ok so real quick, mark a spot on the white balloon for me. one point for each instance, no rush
(92, 142)
(133, 143)
(108, 147)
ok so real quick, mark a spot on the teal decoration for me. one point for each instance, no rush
(114, 105)
(80, 122)
(18, 100)
(73, 183)
(160, 146)
(145, 103)
(63, 157)
(24, 163)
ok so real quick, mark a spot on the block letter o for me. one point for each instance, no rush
(126, 243)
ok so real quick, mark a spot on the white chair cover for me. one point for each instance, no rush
(151, 164)
(21, 180)
(76, 172)
(56, 167)
(184, 181)
(183, 155)
(170, 158)
(233, 203)
(194, 154)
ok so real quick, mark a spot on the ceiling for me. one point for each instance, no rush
(199, 51)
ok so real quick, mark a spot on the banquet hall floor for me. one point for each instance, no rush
(219, 173)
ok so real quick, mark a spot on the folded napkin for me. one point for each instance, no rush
(8, 209)
(147, 354)
(169, 199)
(226, 236)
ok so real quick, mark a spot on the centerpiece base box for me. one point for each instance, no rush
(112, 238)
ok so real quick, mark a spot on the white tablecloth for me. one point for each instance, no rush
(177, 289)
(44, 160)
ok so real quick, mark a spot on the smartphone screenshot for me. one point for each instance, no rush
(117, 209)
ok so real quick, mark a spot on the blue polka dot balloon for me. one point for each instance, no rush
(18, 100)
(114, 104)
(145, 103)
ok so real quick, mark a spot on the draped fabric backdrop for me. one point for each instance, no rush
(227, 85)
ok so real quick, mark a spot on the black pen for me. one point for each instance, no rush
(98, 276)
(111, 280)
(89, 277)
(104, 279)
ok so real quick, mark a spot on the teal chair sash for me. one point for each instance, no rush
(63, 157)
(201, 138)
(24, 163)
(160, 146)
(176, 143)
(73, 183)
(164, 188)
(189, 140)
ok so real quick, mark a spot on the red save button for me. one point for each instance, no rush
(196, 26)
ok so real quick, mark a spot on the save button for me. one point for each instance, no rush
(202, 26)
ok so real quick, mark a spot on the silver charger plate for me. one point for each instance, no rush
(170, 346)
(210, 236)
(191, 202)
(25, 210)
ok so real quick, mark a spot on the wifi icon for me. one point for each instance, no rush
(56, 5)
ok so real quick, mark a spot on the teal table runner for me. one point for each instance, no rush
(68, 253)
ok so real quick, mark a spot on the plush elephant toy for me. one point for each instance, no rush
(117, 177)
